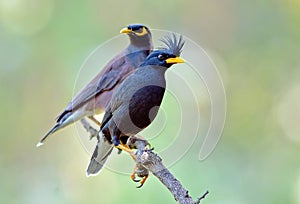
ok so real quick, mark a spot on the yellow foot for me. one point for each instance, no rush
(126, 148)
(144, 177)
(132, 176)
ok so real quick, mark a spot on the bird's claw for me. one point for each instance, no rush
(149, 145)
(119, 151)
(149, 149)
(143, 181)
(142, 173)
(132, 176)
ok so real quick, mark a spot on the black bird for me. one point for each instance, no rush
(135, 102)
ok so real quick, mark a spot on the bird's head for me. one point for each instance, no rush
(162, 58)
(139, 34)
(167, 55)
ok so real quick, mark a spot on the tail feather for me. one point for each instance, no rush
(67, 119)
(54, 129)
(100, 155)
(62, 116)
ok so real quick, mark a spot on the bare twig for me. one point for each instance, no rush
(147, 161)
(202, 197)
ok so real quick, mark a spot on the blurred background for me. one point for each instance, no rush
(255, 45)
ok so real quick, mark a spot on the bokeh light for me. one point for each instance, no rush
(289, 113)
(25, 17)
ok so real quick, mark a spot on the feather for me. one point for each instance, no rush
(173, 44)
(100, 155)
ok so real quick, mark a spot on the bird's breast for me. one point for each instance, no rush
(144, 105)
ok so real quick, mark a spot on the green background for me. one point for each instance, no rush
(255, 45)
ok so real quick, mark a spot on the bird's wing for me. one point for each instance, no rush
(107, 116)
(106, 80)
(100, 155)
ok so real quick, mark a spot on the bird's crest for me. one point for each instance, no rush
(173, 44)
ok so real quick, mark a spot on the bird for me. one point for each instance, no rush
(136, 101)
(95, 96)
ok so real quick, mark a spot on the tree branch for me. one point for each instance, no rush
(154, 164)
(147, 161)
(202, 197)
(146, 158)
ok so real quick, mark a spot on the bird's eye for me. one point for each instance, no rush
(161, 57)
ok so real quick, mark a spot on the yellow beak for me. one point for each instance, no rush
(174, 60)
(125, 30)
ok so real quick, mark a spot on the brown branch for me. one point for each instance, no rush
(147, 161)
(153, 163)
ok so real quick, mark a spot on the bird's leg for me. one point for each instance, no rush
(89, 128)
(94, 120)
(127, 149)
(123, 147)
(115, 140)
(93, 132)
(132, 176)
(139, 170)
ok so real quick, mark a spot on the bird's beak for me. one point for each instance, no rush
(125, 30)
(174, 60)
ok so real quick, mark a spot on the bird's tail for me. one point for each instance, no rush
(54, 129)
(100, 155)
(63, 121)
(67, 119)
